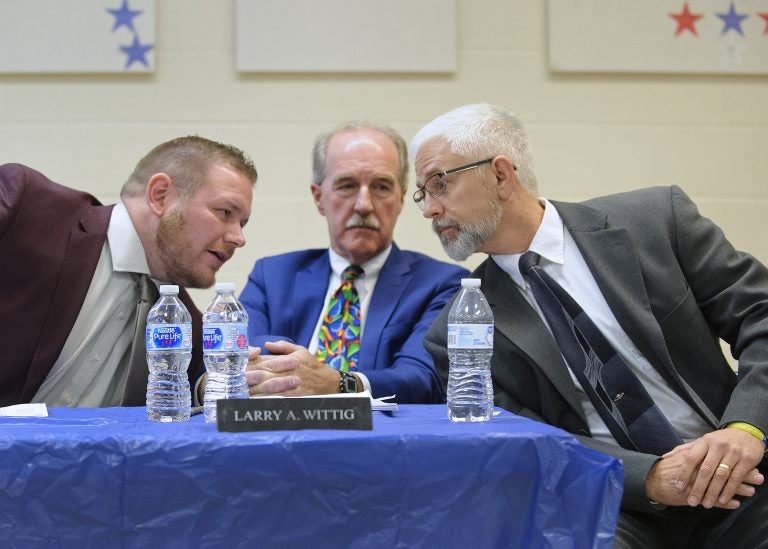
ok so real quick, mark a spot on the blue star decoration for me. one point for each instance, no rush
(732, 20)
(136, 52)
(124, 17)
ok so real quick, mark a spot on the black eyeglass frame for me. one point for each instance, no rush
(420, 193)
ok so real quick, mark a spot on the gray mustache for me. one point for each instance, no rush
(438, 224)
(368, 221)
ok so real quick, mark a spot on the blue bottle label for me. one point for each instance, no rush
(470, 336)
(231, 337)
(169, 337)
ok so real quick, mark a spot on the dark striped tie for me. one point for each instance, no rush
(621, 400)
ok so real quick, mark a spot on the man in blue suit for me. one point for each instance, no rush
(360, 171)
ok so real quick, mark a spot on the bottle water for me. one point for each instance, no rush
(169, 350)
(225, 349)
(470, 346)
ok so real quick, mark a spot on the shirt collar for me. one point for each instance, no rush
(124, 243)
(370, 267)
(548, 242)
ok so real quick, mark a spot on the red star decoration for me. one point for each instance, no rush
(686, 20)
(764, 16)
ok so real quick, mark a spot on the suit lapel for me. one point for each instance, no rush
(79, 263)
(619, 278)
(517, 321)
(621, 282)
(394, 278)
(309, 289)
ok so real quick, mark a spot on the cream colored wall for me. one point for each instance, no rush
(592, 134)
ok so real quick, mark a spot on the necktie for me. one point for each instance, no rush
(621, 400)
(135, 391)
(339, 337)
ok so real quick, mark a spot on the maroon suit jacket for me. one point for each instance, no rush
(51, 238)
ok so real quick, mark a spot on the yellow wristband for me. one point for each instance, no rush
(751, 429)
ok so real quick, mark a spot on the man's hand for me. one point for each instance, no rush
(290, 371)
(709, 471)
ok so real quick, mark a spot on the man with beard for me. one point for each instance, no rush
(607, 319)
(360, 171)
(74, 270)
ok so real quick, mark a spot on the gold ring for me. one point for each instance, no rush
(724, 466)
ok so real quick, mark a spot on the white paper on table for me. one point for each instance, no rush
(36, 409)
(380, 404)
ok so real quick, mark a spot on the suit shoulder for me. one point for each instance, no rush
(636, 197)
(297, 257)
(420, 261)
(650, 202)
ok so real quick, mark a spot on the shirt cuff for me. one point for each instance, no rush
(366, 383)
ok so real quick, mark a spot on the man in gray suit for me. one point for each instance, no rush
(661, 285)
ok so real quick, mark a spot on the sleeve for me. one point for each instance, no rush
(254, 299)
(412, 375)
(11, 191)
(731, 291)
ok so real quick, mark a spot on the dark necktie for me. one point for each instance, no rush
(135, 391)
(339, 337)
(621, 400)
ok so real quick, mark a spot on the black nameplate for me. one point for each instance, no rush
(272, 414)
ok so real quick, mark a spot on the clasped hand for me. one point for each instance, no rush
(709, 471)
(291, 370)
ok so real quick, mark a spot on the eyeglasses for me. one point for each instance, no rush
(437, 185)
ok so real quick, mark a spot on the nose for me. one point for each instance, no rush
(363, 203)
(235, 236)
(432, 206)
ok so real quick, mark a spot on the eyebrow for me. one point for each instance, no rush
(377, 177)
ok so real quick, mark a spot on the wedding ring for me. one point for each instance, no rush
(724, 466)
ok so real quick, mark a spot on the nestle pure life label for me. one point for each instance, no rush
(169, 337)
(231, 337)
(470, 336)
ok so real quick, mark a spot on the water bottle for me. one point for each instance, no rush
(470, 346)
(169, 350)
(225, 349)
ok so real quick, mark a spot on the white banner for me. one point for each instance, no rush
(694, 36)
(65, 36)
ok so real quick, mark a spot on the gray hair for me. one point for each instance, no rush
(321, 148)
(480, 131)
(187, 160)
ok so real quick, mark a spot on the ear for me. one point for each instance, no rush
(160, 193)
(317, 194)
(506, 176)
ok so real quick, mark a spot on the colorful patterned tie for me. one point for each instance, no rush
(339, 337)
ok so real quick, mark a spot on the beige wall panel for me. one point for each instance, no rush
(592, 134)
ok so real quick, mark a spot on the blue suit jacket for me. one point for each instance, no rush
(285, 294)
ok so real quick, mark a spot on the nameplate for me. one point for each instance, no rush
(273, 414)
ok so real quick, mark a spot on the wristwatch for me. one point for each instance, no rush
(347, 383)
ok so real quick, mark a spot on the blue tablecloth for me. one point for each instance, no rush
(109, 478)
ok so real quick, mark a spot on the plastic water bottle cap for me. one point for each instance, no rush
(169, 289)
(470, 282)
(225, 287)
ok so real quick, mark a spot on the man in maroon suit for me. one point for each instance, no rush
(74, 270)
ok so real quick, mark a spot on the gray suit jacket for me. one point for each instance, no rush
(674, 283)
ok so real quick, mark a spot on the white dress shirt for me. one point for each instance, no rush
(364, 284)
(562, 260)
(90, 371)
